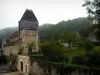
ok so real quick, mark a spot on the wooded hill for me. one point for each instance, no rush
(54, 31)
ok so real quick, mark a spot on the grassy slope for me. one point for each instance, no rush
(79, 52)
(74, 52)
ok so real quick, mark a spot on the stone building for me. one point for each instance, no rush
(27, 33)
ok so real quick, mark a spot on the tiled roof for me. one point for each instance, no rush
(8, 44)
(29, 15)
(14, 35)
(12, 43)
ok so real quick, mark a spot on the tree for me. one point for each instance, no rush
(93, 9)
(70, 37)
(53, 51)
(86, 44)
(56, 32)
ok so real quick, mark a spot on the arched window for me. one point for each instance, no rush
(21, 65)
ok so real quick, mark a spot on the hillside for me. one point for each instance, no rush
(7, 32)
(53, 32)
(50, 31)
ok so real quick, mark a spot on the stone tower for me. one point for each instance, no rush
(28, 29)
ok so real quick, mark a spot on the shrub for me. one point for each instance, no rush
(93, 60)
(78, 60)
(53, 51)
(3, 59)
(20, 50)
(30, 74)
(13, 60)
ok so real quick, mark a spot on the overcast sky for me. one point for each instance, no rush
(46, 11)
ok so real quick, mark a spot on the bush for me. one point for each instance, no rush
(86, 44)
(3, 59)
(20, 50)
(53, 51)
(13, 60)
(78, 60)
(30, 74)
(93, 60)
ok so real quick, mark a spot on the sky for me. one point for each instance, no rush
(46, 11)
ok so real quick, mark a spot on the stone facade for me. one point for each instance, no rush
(24, 64)
(36, 69)
(7, 50)
(27, 33)
(11, 49)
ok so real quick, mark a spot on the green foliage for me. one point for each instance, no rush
(30, 74)
(70, 38)
(53, 51)
(3, 59)
(79, 60)
(13, 61)
(89, 45)
(38, 54)
(96, 49)
(63, 29)
(85, 43)
(93, 9)
(88, 52)
(30, 47)
(75, 51)
(90, 58)
(20, 50)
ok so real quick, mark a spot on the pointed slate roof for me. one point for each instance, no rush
(29, 15)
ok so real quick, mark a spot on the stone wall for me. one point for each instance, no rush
(13, 49)
(7, 50)
(36, 69)
(54, 71)
(16, 47)
(29, 36)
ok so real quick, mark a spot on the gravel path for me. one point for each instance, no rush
(4, 70)
(11, 73)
